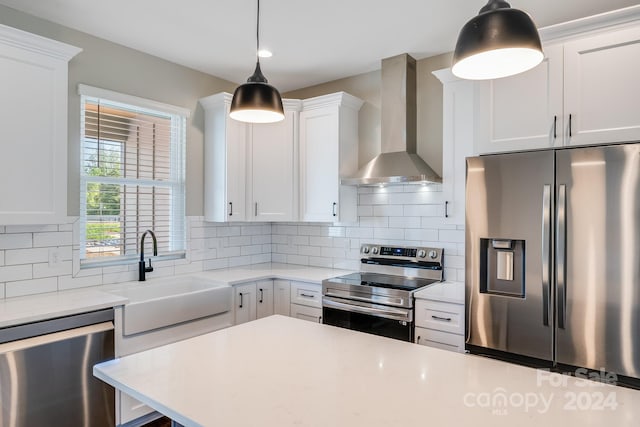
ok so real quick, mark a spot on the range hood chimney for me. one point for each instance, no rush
(398, 162)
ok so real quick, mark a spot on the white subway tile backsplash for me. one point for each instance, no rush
(374, 199)
(374, 221)
(404, 222)
(58, 238)
(16, 272)
(30, 228)
(46, 270)
(16, 241)
(456, 236)
(26, 256)
(30, 287)
(70, 282)
(320, 241)
(388, 233)
(311, 251)
(298, 259)
(421, 210)
(404, 215)
(421, 235)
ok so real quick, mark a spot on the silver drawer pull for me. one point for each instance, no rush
(446, 319)
(307, 295)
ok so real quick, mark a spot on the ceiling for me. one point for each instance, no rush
(312, 41)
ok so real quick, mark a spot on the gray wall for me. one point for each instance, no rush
(367, 87)
(111, 66)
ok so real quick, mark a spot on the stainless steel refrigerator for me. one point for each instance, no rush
(553, 257)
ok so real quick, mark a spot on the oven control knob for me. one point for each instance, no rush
(422, 253)
(374, 250)
(433, 254)
(365, 249)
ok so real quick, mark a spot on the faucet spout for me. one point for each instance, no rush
(142, 268)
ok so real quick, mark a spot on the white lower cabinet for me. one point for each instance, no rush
(303, 312)
(440, 324)
(252, 301)
(282, 297)
(306, 301)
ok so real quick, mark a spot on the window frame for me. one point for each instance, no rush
(177, 182)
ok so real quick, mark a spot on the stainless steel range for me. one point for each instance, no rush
(379, 300)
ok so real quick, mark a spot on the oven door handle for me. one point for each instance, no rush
(402, 315)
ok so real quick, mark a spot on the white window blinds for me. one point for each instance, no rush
(132, 175)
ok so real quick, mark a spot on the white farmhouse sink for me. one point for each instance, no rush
(170, 301)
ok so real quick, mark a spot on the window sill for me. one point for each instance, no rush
(87, 264)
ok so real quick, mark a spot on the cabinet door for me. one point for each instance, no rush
(281, 297)
(303, 312)
(319, 164)
(309, 294)
(272, 184)
(264, 297)
(235, 177)
(524, 111)
(33, 119)
(244, 303)
(225, 145)
(458, 137)
(602, 88)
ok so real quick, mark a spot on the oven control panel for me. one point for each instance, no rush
(401, 252)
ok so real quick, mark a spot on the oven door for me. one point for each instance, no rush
(391, 322)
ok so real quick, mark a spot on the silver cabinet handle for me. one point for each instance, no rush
(555, 127)
(446, 319)
(240, 300)
(307, 295)
(546, 251)
(334, 209)
(230, 208)
(256, 209)
(261, 296)
(561, 241)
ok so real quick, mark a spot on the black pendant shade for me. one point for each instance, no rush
(499, 42)
(257, 101)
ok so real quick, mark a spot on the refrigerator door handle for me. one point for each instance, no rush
(561, 239)
(546, 252)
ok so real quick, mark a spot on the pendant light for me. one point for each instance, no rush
(257, 101)
(499, 42)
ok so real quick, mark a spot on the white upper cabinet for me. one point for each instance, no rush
(225, 142)
(328, 152)
(523, 111)
(457, 141)
(272, 167)
(33, 123)
(585, 92)
(602, 87)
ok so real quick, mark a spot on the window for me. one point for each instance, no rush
(132, 176)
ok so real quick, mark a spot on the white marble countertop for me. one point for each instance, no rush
(33, 308)
(452, 292)
(281, 371)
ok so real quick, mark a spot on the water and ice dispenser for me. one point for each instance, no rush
(502, 267)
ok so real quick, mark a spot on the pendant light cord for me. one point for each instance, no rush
(258, 33)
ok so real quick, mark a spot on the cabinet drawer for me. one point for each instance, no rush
(438, 339)
(441, 316)
(312, 314)
(309, 294)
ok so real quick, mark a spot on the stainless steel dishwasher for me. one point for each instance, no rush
(46, 372)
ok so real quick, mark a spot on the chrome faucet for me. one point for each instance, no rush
(142, 268)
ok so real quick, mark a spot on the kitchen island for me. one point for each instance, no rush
(280, 371)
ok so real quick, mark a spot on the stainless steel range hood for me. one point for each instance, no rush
(398, 163)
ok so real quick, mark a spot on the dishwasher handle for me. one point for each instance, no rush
(27, 343)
